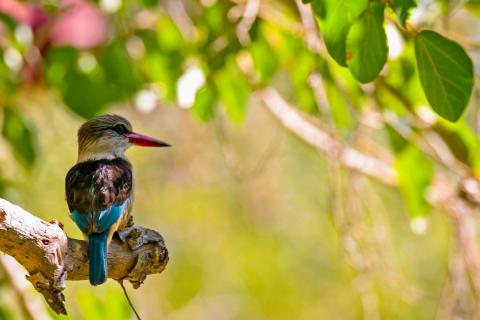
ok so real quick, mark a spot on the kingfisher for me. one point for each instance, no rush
(99, 187)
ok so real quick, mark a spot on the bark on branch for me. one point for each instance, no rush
(51, 258)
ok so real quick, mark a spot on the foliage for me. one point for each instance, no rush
(370, 71)
(446, 74)
(19, 134)
(93, 76)
(338, 17)
(367, 44)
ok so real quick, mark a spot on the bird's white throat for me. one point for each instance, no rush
(91, 153)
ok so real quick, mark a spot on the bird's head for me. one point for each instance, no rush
(108, 137)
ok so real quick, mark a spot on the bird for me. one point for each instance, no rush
(99, 187)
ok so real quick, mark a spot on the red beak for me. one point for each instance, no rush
(144, 141)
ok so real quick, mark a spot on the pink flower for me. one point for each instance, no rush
(25, 13)
(81, 24)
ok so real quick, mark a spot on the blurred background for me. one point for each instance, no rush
(259, 224)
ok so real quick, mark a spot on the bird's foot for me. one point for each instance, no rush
(130, 222)
(58, 223)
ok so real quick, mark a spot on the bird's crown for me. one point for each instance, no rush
(107, 124)
(103, 137)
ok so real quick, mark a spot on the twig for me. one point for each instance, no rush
(311, 34)
(176, 10)
(445, 195)
(32, 307)
(248, 18)
(128, 299)
(325, 142)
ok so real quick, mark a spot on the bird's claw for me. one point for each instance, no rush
(55, 221)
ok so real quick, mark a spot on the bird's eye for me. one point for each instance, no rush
(120, 129)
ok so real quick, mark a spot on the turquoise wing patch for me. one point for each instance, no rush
(82, 220)
(100, 221)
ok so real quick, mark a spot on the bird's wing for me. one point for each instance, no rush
(100, 221)
(98, 193)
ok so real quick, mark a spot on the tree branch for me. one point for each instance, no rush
(248, 18)
(457, 199)
(51, 258)
(326, 142)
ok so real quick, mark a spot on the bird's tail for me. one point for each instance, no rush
(97, 254)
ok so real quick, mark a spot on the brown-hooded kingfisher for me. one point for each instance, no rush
(99, 186)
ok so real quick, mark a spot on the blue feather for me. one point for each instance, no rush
(97, 231)
(105, 219)
(97, 255)
(102, 221)
(82, 221)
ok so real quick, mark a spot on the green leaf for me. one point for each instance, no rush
(164, 70)
(150, 3)
(461, 140)
(397, 142)
(402, 9)
(58, 62)
(473, 6)
(18, 132)
(119, 69)
(106, 305)
(318, 7)
(415, 173)
(6, 313)
(264, 59)
(367, 44)
(338, 107)
(446, 74)
(299, 75)
(8, 21)
(204, 106)
(234, 91)
(339, 15)
(168, 35)
(87, 95)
